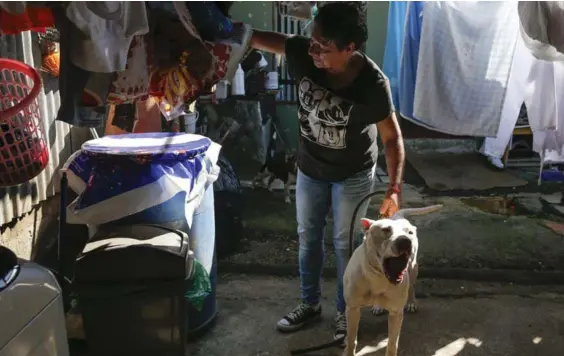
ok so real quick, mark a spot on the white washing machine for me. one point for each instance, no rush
(32, 318)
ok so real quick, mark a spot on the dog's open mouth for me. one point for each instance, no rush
(395, 267)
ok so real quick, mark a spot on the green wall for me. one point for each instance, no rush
(256, 13)
(259, 14)
(377, 24)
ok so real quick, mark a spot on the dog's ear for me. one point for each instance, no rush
(366, 224)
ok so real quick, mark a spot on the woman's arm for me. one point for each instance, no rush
(390, 133)
(269, 41)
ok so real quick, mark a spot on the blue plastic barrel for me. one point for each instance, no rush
(153, 178)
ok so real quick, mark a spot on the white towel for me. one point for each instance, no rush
(545, 106)
(514, 98)
(464, 62)
(542, 28)
(106, 31)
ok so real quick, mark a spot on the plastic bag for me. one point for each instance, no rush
(201, 286)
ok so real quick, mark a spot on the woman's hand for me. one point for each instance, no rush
(390, 205)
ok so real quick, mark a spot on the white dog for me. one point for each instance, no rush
(382, 273)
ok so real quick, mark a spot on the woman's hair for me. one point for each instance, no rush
(343, 22)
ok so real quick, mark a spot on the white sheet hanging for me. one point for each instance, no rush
(464, 62)
(545, 105)
(542, 28)
(514, 98)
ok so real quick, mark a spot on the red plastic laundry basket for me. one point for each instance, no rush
(23, 148)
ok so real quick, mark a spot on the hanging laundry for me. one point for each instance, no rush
(132, 83)
(182, 62)
(397, 11)
(409, 59)
(78, 88)
(31, 19)
(464, 62)
(106, 31)
(545, 106)
(515, 95)
(211, 23)
(542, 28)
(173, 33)
(225, 58)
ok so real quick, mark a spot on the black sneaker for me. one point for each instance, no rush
(300, 316)
(340, 327)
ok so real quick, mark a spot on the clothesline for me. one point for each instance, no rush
(173, 51)
(465, 69)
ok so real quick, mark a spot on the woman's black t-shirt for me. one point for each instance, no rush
(337, 128)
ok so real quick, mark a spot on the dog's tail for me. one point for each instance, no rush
(404, 213)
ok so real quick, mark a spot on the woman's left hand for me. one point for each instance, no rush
(390, 205)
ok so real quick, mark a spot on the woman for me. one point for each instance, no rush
(344, 101)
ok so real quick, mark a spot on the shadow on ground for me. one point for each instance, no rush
(464, 234)
(454, 319)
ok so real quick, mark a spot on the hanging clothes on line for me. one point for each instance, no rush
(464, 63)
(397, 11)
(121, 53)
(545, 105)
(106, 31)
(409, 59)
(515, 94)
(79, 89)
(542, 28)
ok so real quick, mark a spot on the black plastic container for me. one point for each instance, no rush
(130, 283)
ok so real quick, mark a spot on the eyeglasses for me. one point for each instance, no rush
(317, 48)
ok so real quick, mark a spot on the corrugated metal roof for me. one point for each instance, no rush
(19, 200)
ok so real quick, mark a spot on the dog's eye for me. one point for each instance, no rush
(387, 230)
(411, 232)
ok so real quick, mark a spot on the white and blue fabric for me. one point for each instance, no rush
(393, 47)
(408, 62)
(119, 176)
(465, 58)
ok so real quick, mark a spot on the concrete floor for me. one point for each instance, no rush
(455, 318)
(469, 232)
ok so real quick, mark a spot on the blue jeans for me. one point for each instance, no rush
(313, 201)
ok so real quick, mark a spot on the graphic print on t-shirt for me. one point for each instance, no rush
(323, 115)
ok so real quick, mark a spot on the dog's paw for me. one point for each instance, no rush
(377, 311)
(411, 307)
(287, 200)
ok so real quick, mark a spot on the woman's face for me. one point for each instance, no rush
(325, 53)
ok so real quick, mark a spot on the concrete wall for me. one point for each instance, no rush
(377, 24)
(260, 15)
(24, 235)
